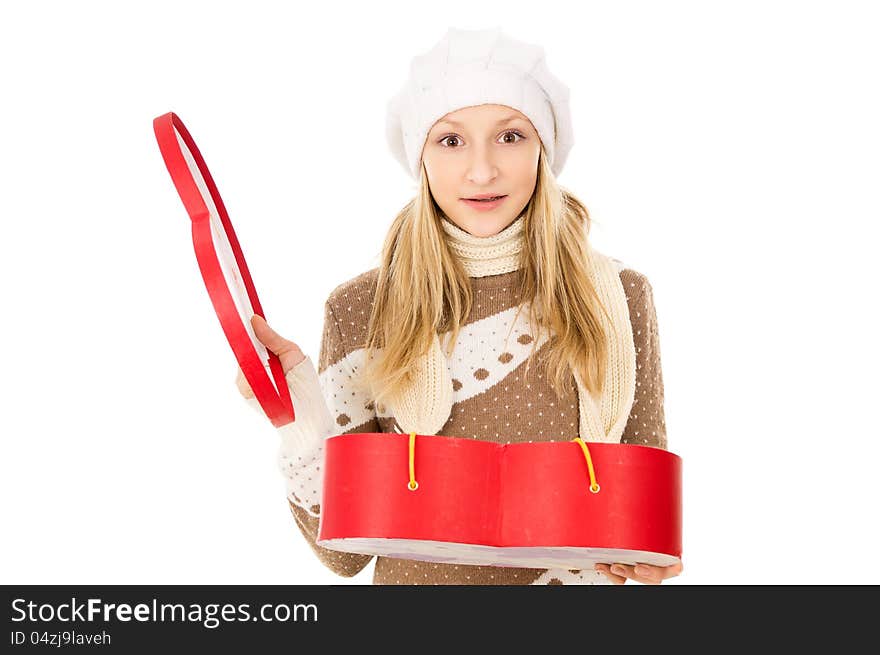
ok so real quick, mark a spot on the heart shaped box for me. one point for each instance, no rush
(517, 504)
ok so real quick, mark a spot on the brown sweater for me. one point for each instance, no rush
(497, 407)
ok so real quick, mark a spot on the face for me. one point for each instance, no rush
(482, 150)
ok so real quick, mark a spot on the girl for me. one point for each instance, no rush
(490, 315)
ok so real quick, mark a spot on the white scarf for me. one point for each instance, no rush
(482, 256)
(425, 407)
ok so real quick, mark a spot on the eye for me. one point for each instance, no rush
(443, 141)
(514, 132)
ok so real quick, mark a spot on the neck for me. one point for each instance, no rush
(482, 256)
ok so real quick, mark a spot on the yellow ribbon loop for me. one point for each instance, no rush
(412, 485)
(594, 486)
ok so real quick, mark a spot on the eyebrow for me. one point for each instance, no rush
(501, 122)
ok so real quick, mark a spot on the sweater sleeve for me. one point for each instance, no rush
(326, 404)
(646, 424)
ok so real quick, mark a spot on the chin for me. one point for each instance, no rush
(484, 232)
(484, 228)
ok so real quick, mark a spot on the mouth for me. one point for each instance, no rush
(484, 198)
(484, 204)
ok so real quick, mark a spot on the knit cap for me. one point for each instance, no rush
(475, 67)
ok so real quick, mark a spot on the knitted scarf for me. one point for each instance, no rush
(426, 405)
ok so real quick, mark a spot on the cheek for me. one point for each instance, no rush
(525, 170)
(526, 182)
(439, 183)
(444, 189)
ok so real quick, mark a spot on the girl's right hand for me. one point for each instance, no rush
(287, 351)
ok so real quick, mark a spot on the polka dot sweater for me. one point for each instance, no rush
(493, 400)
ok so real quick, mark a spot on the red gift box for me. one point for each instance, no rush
(555, 504)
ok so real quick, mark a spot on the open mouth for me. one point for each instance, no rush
(485, 199)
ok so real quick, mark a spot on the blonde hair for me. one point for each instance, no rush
(422, 290)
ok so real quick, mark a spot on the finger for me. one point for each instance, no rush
(604, 568)
(628, 570)
(269, 337)
(655, 574)
(665, 571)
(243, 385)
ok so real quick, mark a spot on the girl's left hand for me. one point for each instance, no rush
(644, 573)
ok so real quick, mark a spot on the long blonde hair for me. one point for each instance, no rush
(423, 290)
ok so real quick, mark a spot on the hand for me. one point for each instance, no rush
(288, 352)
(644, 573)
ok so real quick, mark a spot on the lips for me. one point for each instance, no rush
(484, 205)
(485, 199)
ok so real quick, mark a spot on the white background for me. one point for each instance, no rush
(729, 151)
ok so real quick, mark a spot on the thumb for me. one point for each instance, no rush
(267, 336)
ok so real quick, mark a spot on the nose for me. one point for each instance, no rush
(481, 166)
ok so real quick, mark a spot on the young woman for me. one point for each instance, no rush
(490, 316)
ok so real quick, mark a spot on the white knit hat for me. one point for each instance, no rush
(476, 67)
